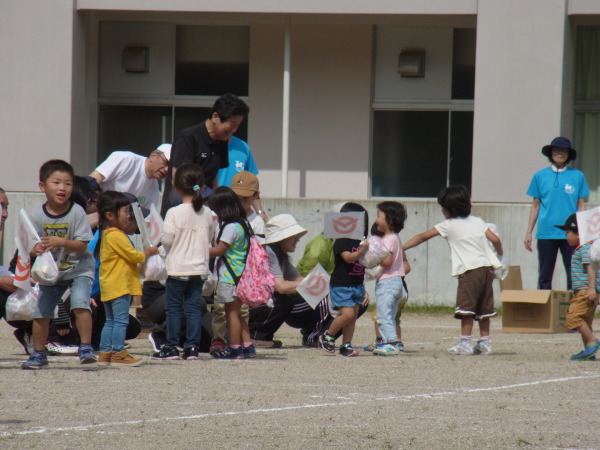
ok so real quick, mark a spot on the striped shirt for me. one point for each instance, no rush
(579, 262)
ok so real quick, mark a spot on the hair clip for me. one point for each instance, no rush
(196, 188)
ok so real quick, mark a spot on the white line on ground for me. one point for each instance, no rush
(296, 407)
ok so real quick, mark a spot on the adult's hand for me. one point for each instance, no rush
(527, 242)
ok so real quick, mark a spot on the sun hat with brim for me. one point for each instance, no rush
(282, 227)
(570, 224)
(562, 142)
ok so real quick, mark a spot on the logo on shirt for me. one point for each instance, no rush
(569, 189)
(203, 155)
(239, 166)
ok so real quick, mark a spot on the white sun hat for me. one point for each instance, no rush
(282, 227)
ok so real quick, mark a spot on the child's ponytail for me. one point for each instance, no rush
(189, 179)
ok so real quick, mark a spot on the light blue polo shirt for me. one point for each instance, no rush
(240, 159)
(559, 193)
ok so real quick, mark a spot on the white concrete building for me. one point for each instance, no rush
(501, 78)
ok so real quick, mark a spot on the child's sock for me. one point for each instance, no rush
(465, 338)
(247, 344)
(379, 340)
(85, 346)
(484, 339)
(235, 345)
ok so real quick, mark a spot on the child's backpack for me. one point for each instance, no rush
(256, 285)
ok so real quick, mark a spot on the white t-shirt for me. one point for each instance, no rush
(468, 244)
(125, 172)
(258, 226)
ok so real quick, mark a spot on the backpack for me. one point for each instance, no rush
(256, 285)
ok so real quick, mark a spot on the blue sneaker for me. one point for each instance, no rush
(399, 346)
(87, 355)
(250, 351)
(588, 352)
(236, 353)
(371, 347)
(36, 361)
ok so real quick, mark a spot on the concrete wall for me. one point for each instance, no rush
(37, 86)
(518, 93)
(429, 281)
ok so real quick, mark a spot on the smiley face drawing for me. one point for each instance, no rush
(317, 286)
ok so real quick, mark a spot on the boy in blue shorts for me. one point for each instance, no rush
(586, 285)
(65, 232)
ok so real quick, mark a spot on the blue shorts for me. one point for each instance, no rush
(346, 296)
(81, 289)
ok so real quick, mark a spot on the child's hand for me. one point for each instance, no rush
(38, 249)
(363, 247)
(52, 242)
(592, 295)
(366, 300)
(150, 250)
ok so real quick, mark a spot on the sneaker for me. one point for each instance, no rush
(104, 358)
(386, 350)
(373, 346)
(25, 339)
(328, 343)
(347, 350)
(54, 348)
(217, 345)
(87, 355)
(250, 351)
(400, 346)
(483, 348)
(236, 353)
(224, 353)
(36, 361)
(190, 353)
(462, 348)
(157, 339)
(313, 344)
(124, 359)
(588, 351)
(167, 352)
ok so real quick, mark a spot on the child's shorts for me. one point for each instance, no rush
(475, 296)
(346, 296)
(81, 290)
(581, 310)
(226, 292)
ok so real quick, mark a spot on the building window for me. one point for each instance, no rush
(423, 127)
(587, 106)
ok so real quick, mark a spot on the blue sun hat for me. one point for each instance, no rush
(562, 142)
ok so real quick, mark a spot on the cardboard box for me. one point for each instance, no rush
(532, 311)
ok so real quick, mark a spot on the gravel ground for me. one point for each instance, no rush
(527, 394)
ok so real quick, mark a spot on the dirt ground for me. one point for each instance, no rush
(527, 394)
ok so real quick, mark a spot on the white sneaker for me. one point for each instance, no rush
(483, 348)
(462, 348)
(386, 350)
(54, 348)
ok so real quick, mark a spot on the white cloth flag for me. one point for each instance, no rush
(588, 224)
(23, 268)
(26, 232)
(155, 225)
(139, 218)
(349, 225)
(315, 286)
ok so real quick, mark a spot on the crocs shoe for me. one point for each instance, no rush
(588, 351)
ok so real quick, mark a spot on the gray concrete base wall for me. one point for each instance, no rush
(429, 280)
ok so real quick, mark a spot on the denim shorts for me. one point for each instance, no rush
(346, 296)
(81, 289)
(226, 292)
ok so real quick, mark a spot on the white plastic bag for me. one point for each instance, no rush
(21, 304)
(315, 286)
(44, 269)
(155, 269)
(595, 254)
(373, 273)
(210, 285)
(374, 255)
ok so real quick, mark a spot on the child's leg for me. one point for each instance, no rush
(107, 329)
(245, 329)
(377, 332)
(193, 311)
(232, 312)
(466, 325)
(40, 334)
(388, 293)
(175, 292)
(484, 327)
(348, 328)
(81, 290)
(345, 315)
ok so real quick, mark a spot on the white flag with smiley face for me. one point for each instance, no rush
(350, 225)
